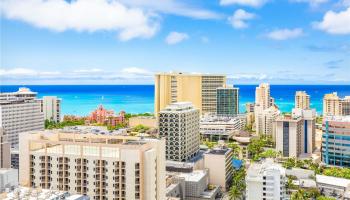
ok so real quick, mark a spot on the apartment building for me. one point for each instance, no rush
(332, 104)
(100, 166)
(336, 141)
(227, 101)
(309, 119)
(200, 89)
(302, 100)
(20, 112)
(266, 181)
(264, 120)
(219, 163)
(263, 96)
(289, 133)
(51, 107)
(179, 125)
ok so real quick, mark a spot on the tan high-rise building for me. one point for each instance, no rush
(302, 100)
(289, 133)
(51, 107)
(332, 105)
(199, 89)
(262, 96)
(264, 120)
(100, 166)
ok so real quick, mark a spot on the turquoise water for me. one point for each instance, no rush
(82, 99)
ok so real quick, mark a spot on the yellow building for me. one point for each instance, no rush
(302, 100)
(332, 104)
(199, 89)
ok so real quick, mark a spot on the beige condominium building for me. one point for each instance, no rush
(333, 105)
(262, 96)
(200, 89)
(101, 166)
(51, 107)
(264, 120)
(179, 125)
(289, 135)
(302, 100)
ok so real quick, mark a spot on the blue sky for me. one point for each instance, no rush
(127, 41)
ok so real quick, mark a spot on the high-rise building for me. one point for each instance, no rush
(263, 97)
(100, 166)
(5, 151)
(200, 89)
(332, 105)
(289, 133)
(20, 112)
(309, 118)
(346, 106)
(264, 120)
(227, 101)
(302, 100)
(336, 140)
(249, 107)
(219, 163)
(179, 125)
(51, 107)
(266, 180)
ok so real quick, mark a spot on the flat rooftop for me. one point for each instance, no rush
(330, 180)
(218, 151)
(194, 176)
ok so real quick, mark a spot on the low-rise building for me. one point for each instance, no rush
(332, 186)
(8, 179)
(219, 163)
(216, 128)
(266, 180)
(25, 193)
(149, 121)
(191, 185)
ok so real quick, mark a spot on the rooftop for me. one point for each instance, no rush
(219, 151)
(337, 118)
(194, 176)
(330, 180)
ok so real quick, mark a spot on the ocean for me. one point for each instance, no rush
(82, 99)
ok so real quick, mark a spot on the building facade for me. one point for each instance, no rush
(219, 163)
(262, 96)
(309, 120)
(200, 89)
(289, 135)
(264, 120)
(227, 99)
(332, 105)
(302, 100)
(179, 125)
(100, 166)
(336, 141)
(51, 107)
(20, 112)
(266, 180)
(5, 151)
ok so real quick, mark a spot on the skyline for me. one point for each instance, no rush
(119, 42)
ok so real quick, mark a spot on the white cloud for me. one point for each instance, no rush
(173, 7)
(239, 18)
(83, 15)
(335, 23)
(284, 34)
(136, 71)
(204, 39)
(176, 37)
(312, 3)
(252, 3)
(92, 70)
(26, 72)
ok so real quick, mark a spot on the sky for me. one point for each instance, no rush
(127, 41)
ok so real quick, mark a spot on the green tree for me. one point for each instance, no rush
(238, 185)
